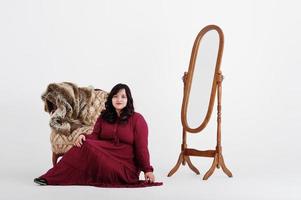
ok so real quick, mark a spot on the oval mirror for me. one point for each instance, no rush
(200, 81)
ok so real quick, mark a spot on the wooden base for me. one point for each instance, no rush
(218, 162)
(183, 159)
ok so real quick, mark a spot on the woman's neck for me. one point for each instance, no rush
(118, 112)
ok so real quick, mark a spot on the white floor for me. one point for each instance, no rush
(249, 182)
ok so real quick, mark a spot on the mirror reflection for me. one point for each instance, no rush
(202, 79)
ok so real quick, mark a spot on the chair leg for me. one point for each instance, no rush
(54, 158)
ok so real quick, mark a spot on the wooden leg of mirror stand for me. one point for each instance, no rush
(191, 166)
(212, 168)
(218, 158)
(183, 159)
(217, 162)
(224, 168)
(176, 167)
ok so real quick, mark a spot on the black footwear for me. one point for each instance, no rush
(40, 181)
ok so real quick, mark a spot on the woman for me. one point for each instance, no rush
(113, 155)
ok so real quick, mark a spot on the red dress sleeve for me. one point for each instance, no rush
(141, 145)
(96, 130)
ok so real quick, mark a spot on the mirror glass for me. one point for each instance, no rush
(202, 79)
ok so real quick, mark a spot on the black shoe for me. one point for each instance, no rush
(40, 181)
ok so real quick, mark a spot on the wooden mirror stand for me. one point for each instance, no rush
(216, 154)
(185, 154)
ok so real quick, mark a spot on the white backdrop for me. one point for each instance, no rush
(147, 45)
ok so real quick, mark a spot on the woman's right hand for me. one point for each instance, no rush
(79, 140)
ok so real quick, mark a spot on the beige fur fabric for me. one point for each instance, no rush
(73, 110)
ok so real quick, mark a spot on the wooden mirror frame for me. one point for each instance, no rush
(216, 88)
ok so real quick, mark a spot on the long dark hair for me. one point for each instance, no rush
(109, 113)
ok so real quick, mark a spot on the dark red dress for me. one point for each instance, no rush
(112, 156)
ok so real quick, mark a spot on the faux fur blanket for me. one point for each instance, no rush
(71, 107)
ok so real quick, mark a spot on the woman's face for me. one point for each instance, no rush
(119, 100)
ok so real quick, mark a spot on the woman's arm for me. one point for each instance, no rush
(141, 145)
(96, 130)
(93, 136)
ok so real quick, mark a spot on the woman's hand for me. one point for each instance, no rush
(149, 177)
(79, 140)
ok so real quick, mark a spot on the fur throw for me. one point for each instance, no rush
(70, 106)
(73, 110)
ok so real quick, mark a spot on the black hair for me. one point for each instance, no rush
(109, 114)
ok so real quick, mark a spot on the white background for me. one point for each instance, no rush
(147, 44)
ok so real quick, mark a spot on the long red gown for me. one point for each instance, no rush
(112, 156)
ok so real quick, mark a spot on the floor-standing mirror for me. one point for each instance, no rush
(201, 84)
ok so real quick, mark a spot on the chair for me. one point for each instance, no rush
(73, 111)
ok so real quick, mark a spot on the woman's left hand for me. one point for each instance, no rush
(149, 177)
